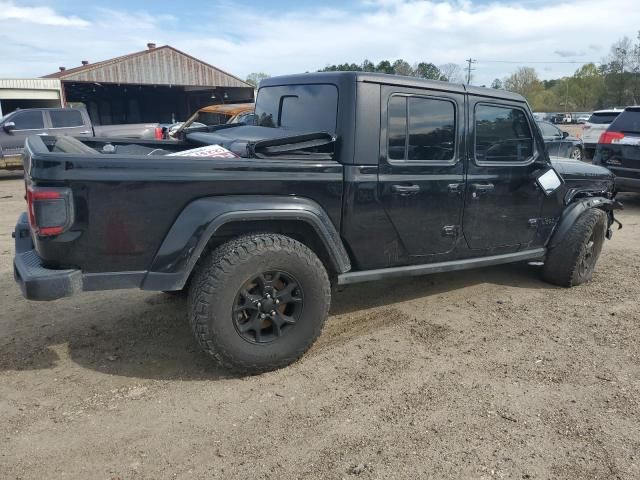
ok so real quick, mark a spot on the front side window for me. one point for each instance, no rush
(28, 120)
(549, 130)
(421, 129)
(502, 134)
(66, 118)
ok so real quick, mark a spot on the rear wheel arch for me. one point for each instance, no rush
(209, 222)
(297, 229)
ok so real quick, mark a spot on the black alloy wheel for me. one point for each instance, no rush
(268, 307)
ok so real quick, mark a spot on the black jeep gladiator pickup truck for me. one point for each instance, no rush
(347, 177)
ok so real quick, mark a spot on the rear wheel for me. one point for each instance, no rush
(573, 260)
(258, 302)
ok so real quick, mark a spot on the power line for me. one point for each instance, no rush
(534, 61)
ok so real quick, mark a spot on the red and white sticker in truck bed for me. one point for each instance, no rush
(210, 151)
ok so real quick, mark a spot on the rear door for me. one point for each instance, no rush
(502, 202)
(421, 171)
(27, 122)
(68, 121)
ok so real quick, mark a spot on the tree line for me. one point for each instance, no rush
(613, 82)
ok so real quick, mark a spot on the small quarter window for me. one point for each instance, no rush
(502, 134)
(397, 127)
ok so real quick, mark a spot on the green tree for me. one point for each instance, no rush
(428, 70)
(586, 87)
(402, 67)
(368, 66)
(497, 84)
(524, 81)
(385, 67)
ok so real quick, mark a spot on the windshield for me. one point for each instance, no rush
(310, 108)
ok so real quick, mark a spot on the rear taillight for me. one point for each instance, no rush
(159, 133)
(50, 210)
(610, 137)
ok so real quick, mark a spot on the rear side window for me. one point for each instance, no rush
(421, 129)
(307, 108)
(502, 134)
(602, 118)
(28, 120)
(65, 118)
(627, 122)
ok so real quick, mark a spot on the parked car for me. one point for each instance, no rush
(619, 149)
(598, 122)
(559, 143)
(18, 125)
(347, 177)
(214, 115)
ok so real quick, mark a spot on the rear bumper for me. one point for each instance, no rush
(36, 281)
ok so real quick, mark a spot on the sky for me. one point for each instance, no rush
(283, 37)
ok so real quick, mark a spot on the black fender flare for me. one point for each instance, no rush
(573, 211)
(198, 222)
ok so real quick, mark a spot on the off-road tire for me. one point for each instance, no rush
(573, 260)
(217, 283)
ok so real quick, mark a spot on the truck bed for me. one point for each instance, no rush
(125, 203)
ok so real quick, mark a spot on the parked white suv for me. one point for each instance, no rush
(593, 128)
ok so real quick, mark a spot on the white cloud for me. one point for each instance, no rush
(38, 15)
(298, 40)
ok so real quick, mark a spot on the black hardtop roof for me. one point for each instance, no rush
(45, 109)
(339, 78)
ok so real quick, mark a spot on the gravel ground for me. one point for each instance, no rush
(481, 374)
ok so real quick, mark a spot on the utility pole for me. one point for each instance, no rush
(623, 53)
(469, 61)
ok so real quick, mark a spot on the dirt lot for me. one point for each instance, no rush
(482, 374)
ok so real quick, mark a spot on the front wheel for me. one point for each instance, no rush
(257, 303)
(576, 153)
(574, 259)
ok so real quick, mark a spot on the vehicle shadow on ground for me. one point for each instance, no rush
(375, 294)
(147, 336)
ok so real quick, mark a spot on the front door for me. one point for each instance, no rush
(503, 202)
(28, 122)
(421, 174)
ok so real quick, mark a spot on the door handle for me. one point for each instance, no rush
(456, 188)
(405, 189)
(482, 187)
(86, 132)
(478, 189)
(42, 134)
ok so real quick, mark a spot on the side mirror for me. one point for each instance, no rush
(9, 126)
(549, 181)
(565, 134)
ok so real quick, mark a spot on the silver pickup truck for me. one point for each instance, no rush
(18, 125)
